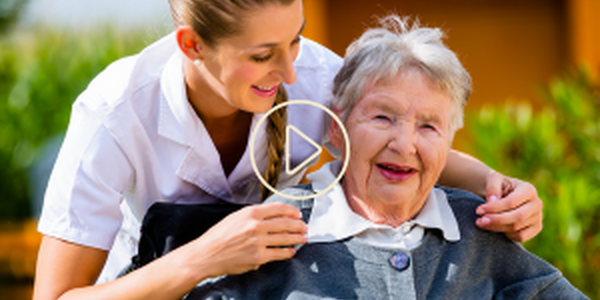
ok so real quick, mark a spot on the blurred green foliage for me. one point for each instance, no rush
(557, 148)
(42, 71)
(10, 11)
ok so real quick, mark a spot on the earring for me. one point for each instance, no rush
(197, 63)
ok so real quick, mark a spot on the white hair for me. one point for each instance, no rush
(382, 53)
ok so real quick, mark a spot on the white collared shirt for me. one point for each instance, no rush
(332, 219)
(134, 139)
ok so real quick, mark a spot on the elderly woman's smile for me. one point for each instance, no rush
(394, 172)
(400, 138)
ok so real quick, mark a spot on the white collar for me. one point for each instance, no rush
(333, 220)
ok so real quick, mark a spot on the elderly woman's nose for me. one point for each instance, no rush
(403, 142)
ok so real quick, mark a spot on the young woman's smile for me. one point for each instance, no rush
(265, 92)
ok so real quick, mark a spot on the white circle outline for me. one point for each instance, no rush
(333, 116)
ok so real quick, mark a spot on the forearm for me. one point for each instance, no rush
(241, 242)
(165, 278)
(68, 271)
(465, 172)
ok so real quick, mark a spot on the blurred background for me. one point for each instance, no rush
(534, 113)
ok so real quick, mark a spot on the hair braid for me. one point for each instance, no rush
(276, 131)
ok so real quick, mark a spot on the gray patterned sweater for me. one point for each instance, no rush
(482, 265)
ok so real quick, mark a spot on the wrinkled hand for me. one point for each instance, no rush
(513, 207)
(248, 238)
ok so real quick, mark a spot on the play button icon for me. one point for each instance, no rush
(293, 130)
(288, 134)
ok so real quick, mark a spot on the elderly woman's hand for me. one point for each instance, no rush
(512, 207)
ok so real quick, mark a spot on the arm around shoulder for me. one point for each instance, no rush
(465, 172)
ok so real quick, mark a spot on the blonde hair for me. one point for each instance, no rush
(216, 19)
(276, 130)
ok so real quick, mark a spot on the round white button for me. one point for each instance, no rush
(406, 228)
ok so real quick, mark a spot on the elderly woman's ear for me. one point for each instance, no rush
(335, 134)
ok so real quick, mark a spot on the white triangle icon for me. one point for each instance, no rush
(287, 150)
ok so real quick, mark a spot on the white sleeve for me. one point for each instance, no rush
(81, 203)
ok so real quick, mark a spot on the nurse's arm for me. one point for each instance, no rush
(240, 242)
(513, 206)
(465, 172)
(69, 271)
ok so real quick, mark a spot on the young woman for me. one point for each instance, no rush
(172, 124)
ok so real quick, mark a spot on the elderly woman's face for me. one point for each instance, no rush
(399, 139)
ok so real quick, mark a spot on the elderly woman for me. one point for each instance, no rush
(386, 231)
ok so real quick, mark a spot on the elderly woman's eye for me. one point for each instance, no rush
(428, 126)
(382, 117)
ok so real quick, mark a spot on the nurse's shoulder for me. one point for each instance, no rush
(316, 66)
(125, 77)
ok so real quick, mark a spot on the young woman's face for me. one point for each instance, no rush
(399, 141)
(246, 70)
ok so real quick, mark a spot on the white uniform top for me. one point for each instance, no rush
(134, 139)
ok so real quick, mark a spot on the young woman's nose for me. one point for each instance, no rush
(285, 68)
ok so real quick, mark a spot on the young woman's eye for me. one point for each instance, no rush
(296, 41)
(262, 58)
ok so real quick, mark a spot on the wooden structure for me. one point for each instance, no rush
(511, 48)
